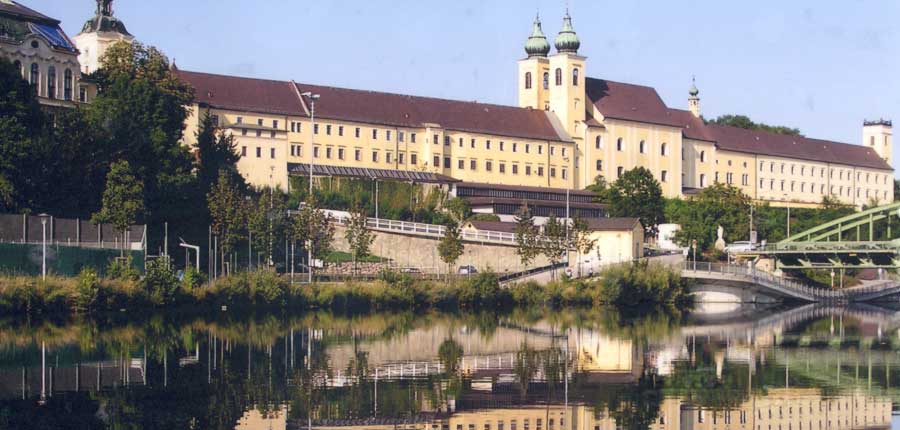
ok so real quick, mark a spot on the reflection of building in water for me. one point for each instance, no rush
(254, 419)
(598, 352)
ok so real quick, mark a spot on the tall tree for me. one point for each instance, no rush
(227, 210)
(451, 246)
(526, 236)
(742, 121)
(554, 243)
(717, 205)
(267, 220)
(637, 194)
(123, 199)
(358, 235)
(312, 227)
(21, 122)
(216, 150)
(580, 239)
(600, 188)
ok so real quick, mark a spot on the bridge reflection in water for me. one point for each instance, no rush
(803, 368)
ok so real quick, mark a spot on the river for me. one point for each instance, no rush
(805, 368)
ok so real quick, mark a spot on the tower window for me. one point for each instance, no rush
(546, 80)
(598, 143)
(528, 80)
(702, 156)
(575, 77)
(619, 144)
(558, 77)
(641, 147)
(67, 84)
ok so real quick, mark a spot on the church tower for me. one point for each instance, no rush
(879, 135)
(98, 34)
(694, 99)
(534, 71)
(567, 80)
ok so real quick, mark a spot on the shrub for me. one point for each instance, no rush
(641, 283)
(123, 269)
(160, 283)
(87, 290)
(192, 279)
(268, 288)
(483, 290)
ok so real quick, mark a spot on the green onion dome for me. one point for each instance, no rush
(537, 44)
(567, 41)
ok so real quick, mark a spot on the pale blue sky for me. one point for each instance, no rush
(819, 65)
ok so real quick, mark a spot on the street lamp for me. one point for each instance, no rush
(312, 148)
(694, 248)
(249, 201)
(788, 204)
(187, 249)
(44, 218)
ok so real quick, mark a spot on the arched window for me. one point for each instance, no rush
(527, 80)
(641, 147)
(67, 84)
(575, 77)
(702, 156)
(546, 80)
(35, 75)
(51, 82)
(558, 77)
(662, 149)
(619, 144)
(598, 143)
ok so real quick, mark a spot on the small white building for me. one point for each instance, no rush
(665, 239)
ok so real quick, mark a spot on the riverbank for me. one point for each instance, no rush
(624, 285)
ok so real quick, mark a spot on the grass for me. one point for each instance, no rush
(625, 285)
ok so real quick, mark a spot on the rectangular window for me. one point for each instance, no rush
(328, 130)
(328, 152)
(436, 139)
(663, 176)
(460, 142)
(387, 135)
(437, 161)
(272, 134)
(243, 151)
(293, 150)
(315, 152)
(374, 134)
(340, 153)
(274, 123)
(374, 157)
(400, 157)
(258, 152)
(565, 174)
(527, 148)
(473, 164)
(400, 136)
(488, 166)
(553, 172)
(599, 165)
(515, 147)
(552, 150)
(215, 120)
(501, 145)
(240, 120)
(357, 155)
(356, 132)
(388, 157)
(340, 130)
(243, 132)
(446, 162)
(564, 152)
(299, 127)
(515, 169)
(527, 170)
(540, 171)
(461, 164)
(259, 122)
(446, 140)
(316, 129)
(258, 133)
(487, 145)
(293, 127)
(472, 144)
(413, 159)
(272, 153)
(502, 168)
(412, 137)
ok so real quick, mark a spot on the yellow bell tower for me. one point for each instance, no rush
(879, 135)
(534, 71)
(567, 80)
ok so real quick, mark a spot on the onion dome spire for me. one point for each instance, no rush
(537, 44)
(693, 91)
(567, 41)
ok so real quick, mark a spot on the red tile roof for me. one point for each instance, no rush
(803, 148)
(503, 227)
(281, 97)
(17, 10)
(244, 94)
(612, 224)
(629, 102)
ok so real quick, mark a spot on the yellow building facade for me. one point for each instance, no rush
(567, 131)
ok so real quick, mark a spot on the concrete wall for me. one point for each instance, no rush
(421, 252)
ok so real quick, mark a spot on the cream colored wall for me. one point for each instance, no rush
(45, 56)
(535, 97)
(880, 137)
(615, 246)
(567, 101)
(695, 169)
(630, 156)
(812, 181)
(736, 169)
(93, 46)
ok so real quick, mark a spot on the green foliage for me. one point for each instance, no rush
(459, 209)
(123, 199)
(87, 290)
(123, 269)
(313, 228)
(484, 217)
(527, 245)
(554, 243)
(637, 194)
(482, 290)
(216, 151)
(21, 121)
(192, 279)
(717, 205)
(600, 188)
(160, 283)
(267, 220)
(642, 283)
(742, 121)
(450, 247)
(227, 208)
(358, 235)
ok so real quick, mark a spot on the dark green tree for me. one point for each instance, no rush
(717, 205)
(554, 243)
(123, 199)
(600, 188)
(313, 228)
(526, 236)
(637, 194)
(216, 151)
(358, 235)
(451, 247)
(21, 122)
(267, 220)
(742, 121)
(227, 209)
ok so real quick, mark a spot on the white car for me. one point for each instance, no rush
(740, 246)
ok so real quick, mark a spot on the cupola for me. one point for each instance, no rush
(567, 41)
(537, 44)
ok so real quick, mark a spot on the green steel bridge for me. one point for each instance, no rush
(865, 240)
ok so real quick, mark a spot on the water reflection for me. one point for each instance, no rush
(804, 368)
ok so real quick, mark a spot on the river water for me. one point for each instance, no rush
(807, 368)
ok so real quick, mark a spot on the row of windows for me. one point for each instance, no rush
(513, 425)
(546, 79)
(835, 189)
(642, 146)
(812, 172)
(50, 84)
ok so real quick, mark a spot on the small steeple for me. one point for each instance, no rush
(104, 21)
(567, 41)
(694, 99)
(537, 44)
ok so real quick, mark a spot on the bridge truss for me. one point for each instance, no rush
(865, 240)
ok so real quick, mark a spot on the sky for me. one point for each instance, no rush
(822, 66)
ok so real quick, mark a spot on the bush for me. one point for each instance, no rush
(268, 288)
(160, 283)
(87, 290)
(483, 290)
(192, 279)
(640, 283)
(123, 269)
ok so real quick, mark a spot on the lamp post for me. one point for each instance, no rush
(788, 204)
(312, 148)
(694, 248)
(249, 201)
(44, 218)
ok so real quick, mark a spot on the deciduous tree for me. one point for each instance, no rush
(123, 199)
(717, 205)
(526, 236)
(227, 210)
(638, 194)
(451, 247)
(358, 235)
(313, 228)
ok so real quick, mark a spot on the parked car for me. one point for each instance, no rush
(740, 246)
(467, 270)
(411, 270)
